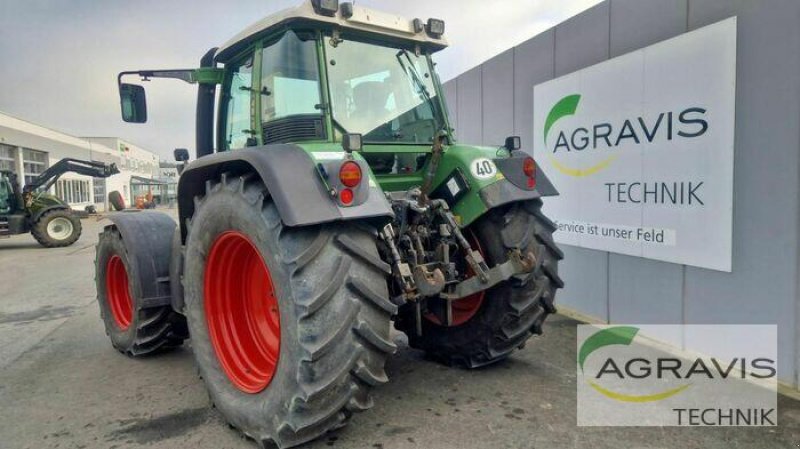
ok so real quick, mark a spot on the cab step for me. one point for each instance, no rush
(4, 231)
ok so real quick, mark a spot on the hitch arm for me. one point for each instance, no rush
(515, 265)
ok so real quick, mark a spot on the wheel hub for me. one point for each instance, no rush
(242, 312)
(59, 228)
(118, 293)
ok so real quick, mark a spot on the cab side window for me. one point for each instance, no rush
(238, 98)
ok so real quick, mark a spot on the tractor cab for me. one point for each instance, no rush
(6, 194)
(319, 71)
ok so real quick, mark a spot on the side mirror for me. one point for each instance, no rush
(133, 103)
(181, 154)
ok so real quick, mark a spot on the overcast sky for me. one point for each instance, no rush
(60, 58)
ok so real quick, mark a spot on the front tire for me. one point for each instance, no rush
(295, 364)
(57, 228)
(506, 315)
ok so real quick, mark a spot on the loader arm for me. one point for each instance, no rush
(89, 168)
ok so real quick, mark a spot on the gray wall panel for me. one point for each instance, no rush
(498, 98)
(582, 40)
(450, 90)
(762, 287)
(585, 275)
(642, 290)
(533, 64)
(470, 110)
(636, 23)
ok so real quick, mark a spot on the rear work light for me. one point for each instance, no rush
(529, 168)
(435, 28)
(326, 7)
(350, 174)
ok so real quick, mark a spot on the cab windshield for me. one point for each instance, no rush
(386, 94)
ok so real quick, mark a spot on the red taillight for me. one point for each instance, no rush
(350, 174)
(346, 196)
(529, 167)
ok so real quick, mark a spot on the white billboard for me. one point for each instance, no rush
(640, 148)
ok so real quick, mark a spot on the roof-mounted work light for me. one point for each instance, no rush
(347, 10)
(351, 142)
(326, 7)
(419, 25)
(435, 28)
(513, 143)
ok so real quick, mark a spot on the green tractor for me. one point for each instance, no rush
(31, 209)
(329, 198)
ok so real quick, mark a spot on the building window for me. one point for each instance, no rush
(99, 190)
(73, 191)
(7, 158)
(34, 163)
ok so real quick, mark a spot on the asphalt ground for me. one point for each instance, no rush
(63, 386)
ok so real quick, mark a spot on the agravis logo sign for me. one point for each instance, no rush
(628, 375)
(640, 148)
(689, 123)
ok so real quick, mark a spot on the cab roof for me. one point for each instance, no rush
(368, 21)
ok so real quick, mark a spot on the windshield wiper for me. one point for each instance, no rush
(412, 71)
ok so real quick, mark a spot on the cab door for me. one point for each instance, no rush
(6, 195)
(237, 125)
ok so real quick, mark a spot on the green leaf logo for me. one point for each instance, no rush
(565, 107)
(619, 335)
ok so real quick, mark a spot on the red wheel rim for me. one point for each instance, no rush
(117, 292)
(466, 308)
(242, 312)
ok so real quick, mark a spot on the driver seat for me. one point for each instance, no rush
(369, 99)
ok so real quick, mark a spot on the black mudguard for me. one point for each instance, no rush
(514, 185)
(292, 179)
(41, 211)
(148, 241)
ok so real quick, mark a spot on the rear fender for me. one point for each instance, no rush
(39, 211)
(514, 185)
(293, 180)
(148, 241)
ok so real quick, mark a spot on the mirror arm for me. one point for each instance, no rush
(187, 75)
(205, 75)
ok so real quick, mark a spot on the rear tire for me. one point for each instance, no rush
(510, 312)
(133, 329)
(57, 228)
(332, 308)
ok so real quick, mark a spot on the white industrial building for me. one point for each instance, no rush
(27, 149)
